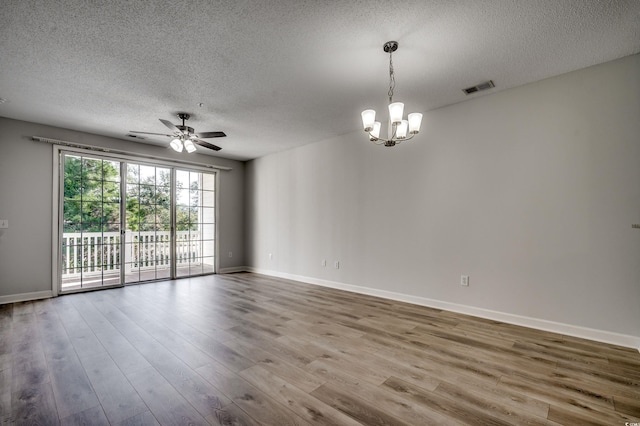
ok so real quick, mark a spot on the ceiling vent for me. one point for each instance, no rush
(480, 87)
(135, 136)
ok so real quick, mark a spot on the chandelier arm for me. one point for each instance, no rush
(393, 139)
(375, 139)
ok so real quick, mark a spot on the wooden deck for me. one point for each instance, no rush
(249, 349)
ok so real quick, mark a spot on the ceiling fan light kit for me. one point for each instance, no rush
(176, 144)
(185, 138)
(399, 129)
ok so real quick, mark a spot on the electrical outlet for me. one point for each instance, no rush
(324, 262)
(4, 223)
(336, 264)
(464, 280)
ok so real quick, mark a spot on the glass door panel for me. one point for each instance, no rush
(195, 223)
(148, 223)
(90, 241)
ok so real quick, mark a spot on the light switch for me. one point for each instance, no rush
(4, 223)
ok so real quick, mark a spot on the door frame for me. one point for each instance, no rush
(57, 205)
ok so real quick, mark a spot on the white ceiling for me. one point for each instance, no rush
(276, 74)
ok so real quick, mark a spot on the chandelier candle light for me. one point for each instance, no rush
(398, 128)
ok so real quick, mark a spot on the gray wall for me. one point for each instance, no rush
(531, 191)
(26, 201)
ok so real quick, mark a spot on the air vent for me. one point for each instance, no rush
(482, 86)
(135, 136)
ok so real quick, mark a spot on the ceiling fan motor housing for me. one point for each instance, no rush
(185, 129)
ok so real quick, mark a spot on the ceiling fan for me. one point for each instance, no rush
(184, 136)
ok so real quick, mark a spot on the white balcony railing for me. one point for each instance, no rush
(98, 252)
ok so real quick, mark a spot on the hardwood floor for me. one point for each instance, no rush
(249, 349)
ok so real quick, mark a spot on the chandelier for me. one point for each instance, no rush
(398, 128)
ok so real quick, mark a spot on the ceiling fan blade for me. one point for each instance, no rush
(171, 126)
(158, 134)
(207, 135)
(206, 144)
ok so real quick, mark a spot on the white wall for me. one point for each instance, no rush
(531, 191)
(26, 201)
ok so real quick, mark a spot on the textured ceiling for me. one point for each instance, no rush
(277, 74)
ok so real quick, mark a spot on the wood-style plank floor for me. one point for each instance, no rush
(250, 349)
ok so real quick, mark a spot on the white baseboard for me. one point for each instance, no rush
(540, 324)
(24, 297)
(232, 270)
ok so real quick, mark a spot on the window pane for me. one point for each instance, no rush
(207, 215)
(208, 265)
(133, 275)
(208, 198)
(147, 194)
(133, 173)
(182, 215)
(193, 217)
(182, 179)
(182, 196)
(147, 174)
(194, 197)
(91, 169)
(72, 177)
(163, 177)
(163, 196)
(163, 273)
(208, 248)
(111, 192)
(194, 237)
(72, 166)
(146, 214)
(92, 190)
(195, 268)
(91, 209)
(110, 212)
(163, 215)
(72, 211)
(208, 231)
(194, 180)
(111, 171)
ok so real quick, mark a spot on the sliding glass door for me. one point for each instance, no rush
(147, 240)
(128, 222)
(195, 223)
(90, 243)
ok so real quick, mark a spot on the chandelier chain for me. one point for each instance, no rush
(392, 77)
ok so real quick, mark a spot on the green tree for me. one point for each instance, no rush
(92, 198)
(148, 203)
(92, 195)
